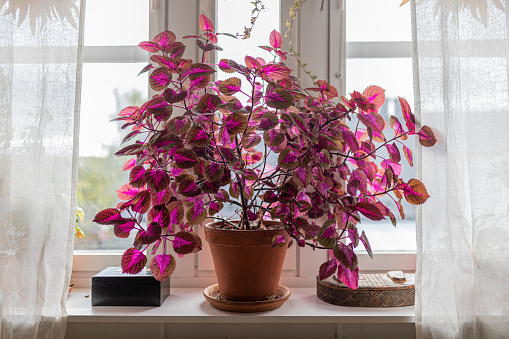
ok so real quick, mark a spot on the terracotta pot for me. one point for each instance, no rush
(248, 267)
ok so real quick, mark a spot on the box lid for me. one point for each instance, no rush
(114, 276)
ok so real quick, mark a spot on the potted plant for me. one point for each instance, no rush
(194, 147)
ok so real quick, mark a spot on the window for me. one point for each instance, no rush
(112, 61)
(379, 53)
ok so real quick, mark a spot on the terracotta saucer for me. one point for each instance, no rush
(211, 293)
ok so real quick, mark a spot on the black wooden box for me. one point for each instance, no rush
(112, 288)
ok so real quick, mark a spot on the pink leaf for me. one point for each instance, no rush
(162, 266)
(133, 261)
(109, 216)
(205, 24)
(393, 152)
(275, 39)
(327, 269)
(407, 115)
(396, 168)
(348, 277)
(127, 192)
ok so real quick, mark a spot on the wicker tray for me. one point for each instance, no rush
(375, 290)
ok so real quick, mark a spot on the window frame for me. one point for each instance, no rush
(331, 66)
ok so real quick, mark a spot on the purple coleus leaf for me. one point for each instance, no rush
(176, 211)
(162, 266)
(407, 115)
(137, 176)
(345, 255)
(141, 202)
(188, 188)
(394, 154)
(275, 39)
(278, 98)
(275, 72)
(186, 242)
(235, 123)
(408, 155)
(396, 126)
(366, 244)
(327, 269)
(251, 215)
(133, 261)
(123, 230)
(279, 241)
(427, 137)
(288, 159)
(164, 40)
(109, 216)
(395, 167)
(159, 79)
(159, 214)
(150, 235)
(157, 179)
(185, 158)
(369, 210)
(348, 277)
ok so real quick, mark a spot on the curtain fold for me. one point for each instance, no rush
(41, 45)
(461, 56)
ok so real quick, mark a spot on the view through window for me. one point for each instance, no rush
(378, 53)
(108, 87)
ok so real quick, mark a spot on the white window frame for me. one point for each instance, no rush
(330, 66)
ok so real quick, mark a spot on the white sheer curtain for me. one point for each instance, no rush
(461, 56)
(40, 79)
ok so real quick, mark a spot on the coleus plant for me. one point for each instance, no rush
(195, 146)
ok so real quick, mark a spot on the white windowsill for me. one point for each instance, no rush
(187, 305)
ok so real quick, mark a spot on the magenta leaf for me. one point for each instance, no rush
(162, 266)
(176, 211)
(133, 261)
(185, 158)
(230, 86)
(427, 137)
(366, 244)
(407, 115)
(327, 235)
(159, 214)
(288, 159)
(197, 137)
(157, 179)
(186, 242)
(159, 79)
(137, 176)
(346, 256)
(164, 41)
(141, 202)
(205, 24)
(275, 72)
(268, 120)
(279, 98)
(394, 154)
(348, 277)
(123, 230)
(395, 167)
(408, 155)
(273, 137)
(275, 39)
(235, 123)
(327, 269)
(188, 188)
(149, 46)
(127, 192)
(215, 207)
(109, 216)
(279, 241)
(369, 210)
(150, 235)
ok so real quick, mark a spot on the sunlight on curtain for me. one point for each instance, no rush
(40, 79)
(461, 55)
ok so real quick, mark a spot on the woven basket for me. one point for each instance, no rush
(375, 290)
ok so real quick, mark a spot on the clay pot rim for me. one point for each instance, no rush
(208, 225)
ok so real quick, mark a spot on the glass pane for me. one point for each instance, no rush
(116, 22)
(395, 76)
(232, 16)
(107, 88)
(377, 20)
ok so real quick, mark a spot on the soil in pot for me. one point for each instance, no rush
(247, 266)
